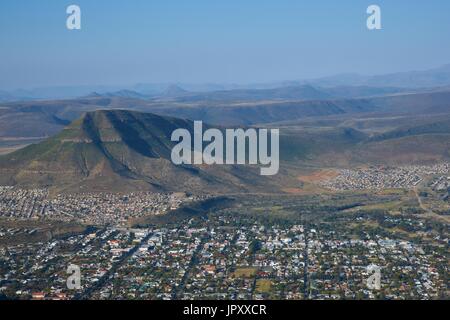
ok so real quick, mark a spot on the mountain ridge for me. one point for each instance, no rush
(120, 150)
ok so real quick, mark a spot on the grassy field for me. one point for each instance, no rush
(245, 272)
(263, 286)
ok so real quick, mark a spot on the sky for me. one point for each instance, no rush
(122, 42)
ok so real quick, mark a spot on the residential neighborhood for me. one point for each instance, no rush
(234, 259)
(93, 208)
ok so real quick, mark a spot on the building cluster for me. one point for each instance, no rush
(228, 258)
(41, 270)
(91, 208)
(378, 178)
(12, 231)
(441, 185)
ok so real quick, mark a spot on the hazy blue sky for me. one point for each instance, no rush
(231, 41)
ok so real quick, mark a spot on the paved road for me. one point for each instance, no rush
(86, 294)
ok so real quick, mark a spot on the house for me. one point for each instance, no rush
(60, 296)
(38, 295)
(210, 269)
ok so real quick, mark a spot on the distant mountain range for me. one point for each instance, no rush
(124, 151)
(46, 118)
(413, 79)
(337, 86)
(117, 139)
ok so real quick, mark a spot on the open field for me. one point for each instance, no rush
(6, 150)
(263, 285)
(319, 175)
(244, 272)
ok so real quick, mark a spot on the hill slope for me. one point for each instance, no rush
(119, 151)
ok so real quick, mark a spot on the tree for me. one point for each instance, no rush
(255, 246)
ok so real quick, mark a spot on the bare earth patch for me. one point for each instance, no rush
(318, 176)
(7, 150)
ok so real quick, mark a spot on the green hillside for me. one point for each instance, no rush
(120, 151)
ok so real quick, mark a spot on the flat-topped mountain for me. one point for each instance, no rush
(118, 150)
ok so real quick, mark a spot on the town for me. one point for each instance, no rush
(378, 178)
(229, 257)
(91, 208)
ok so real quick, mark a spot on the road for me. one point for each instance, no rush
(86, 294)
(428, 212)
